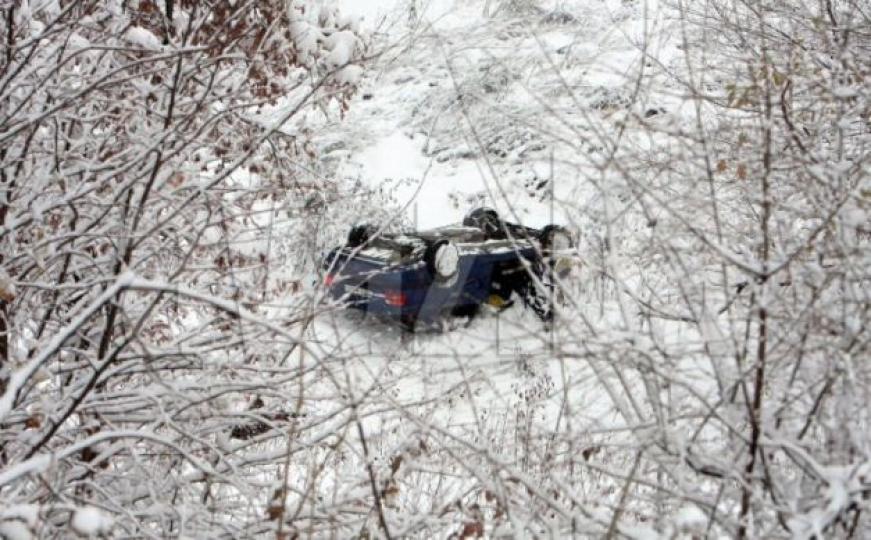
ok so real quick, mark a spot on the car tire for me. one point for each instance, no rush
(485, 219)
(555, 241)
(554, 234)
(360, 234)
(442, 259)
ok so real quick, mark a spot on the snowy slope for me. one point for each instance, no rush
(412, 136)
(511, 110)
(526, 143)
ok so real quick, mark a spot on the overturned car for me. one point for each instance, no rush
(423, 276)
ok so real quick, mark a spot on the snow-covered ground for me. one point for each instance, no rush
(545, 84)
(408, 134)
(527, 142)
(544, 90)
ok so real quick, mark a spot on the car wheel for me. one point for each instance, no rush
(443, 261)
(485, 219)
(360, 234)
(555, 243)
(554, 240)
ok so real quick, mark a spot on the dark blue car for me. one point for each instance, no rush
(423, 276)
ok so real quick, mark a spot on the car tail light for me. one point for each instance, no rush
(395, 298)
(329, 279)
